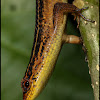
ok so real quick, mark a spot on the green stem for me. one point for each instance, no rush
(90, 34)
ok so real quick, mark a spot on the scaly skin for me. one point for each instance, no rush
(50, 24)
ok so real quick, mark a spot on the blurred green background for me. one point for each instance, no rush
(70, 79)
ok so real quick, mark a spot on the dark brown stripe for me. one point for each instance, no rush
(39, 40)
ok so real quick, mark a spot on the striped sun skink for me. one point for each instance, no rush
(48, 40)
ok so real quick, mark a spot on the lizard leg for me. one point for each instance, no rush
(63, 8)
(71, 39)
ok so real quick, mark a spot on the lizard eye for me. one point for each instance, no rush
(25, 85)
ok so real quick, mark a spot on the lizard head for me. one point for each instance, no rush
(30, 90)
